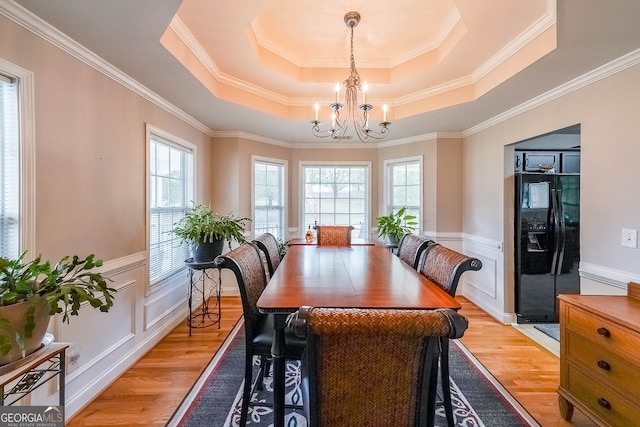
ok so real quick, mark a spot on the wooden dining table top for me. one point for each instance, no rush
(349, 277)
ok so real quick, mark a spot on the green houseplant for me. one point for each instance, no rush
(32, 291)
(283, 247)
(206, 231)
(395, 225)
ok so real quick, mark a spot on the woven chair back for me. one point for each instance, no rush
(334, 235)
(411, 247)
(268, 244)
(369, 367)
(444, 266)
(246, 264)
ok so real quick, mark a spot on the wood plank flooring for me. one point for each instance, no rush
(149, 392)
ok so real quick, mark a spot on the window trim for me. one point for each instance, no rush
(27, 153)
(285, 196)
(180, 143)
(334, 163)
(387, 184)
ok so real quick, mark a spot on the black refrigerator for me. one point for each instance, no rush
(547, 243)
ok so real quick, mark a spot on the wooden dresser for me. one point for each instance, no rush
(600, 357)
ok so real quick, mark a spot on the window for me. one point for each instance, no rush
(404, 177)
(17, 160)
(269, 197)
(171, 182)
(9, 169)
(337, 195)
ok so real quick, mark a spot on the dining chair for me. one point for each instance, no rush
(245, 262)
(444, 266)
(348, 348)
(268, 244)
(334, 235)
(411, 247)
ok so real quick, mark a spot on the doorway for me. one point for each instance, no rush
(546, 226)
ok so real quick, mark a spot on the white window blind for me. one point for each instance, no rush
(269, 203)
(9, 169)
(170, 194)
(405, 184)
(336, 195)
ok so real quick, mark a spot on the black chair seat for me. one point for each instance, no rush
(246, 263)
(263, 336)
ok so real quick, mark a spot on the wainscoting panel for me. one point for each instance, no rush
(486, 288)
(102, 346)
(163, 305)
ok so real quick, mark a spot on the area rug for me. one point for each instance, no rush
(549, 329)
(478, 399)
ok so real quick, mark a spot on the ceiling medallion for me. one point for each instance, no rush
(352, 84)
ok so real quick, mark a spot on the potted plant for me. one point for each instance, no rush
(206, 231)
(32, 291)
(283, 247)
(395, 225)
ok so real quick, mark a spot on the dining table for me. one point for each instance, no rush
(340, 277)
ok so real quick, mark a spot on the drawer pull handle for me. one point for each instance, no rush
(604, 332)
(604, 365)
(604, 403)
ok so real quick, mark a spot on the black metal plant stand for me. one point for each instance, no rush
(208, 313)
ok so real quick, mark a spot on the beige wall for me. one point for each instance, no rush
(90, 152)
(607, 111)
(442, 162)
(90, 190)
(442, 181)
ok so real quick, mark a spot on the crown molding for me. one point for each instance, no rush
(537, 28)
(617, 65)
(250, 137)
(52, 35)
(203, 57)
(545, 22)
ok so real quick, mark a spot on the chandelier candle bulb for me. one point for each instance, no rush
(337, 91)
(365, 87)
(316, 107)
(384, 112)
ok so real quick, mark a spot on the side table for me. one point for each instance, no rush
(208, 313)
(32, 372)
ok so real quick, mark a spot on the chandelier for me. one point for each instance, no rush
(353, 84)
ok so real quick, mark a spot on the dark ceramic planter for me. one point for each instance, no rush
(207, 252)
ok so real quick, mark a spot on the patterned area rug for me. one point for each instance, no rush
(216, 401)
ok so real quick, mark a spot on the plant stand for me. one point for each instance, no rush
(20, 378)
(208, 313)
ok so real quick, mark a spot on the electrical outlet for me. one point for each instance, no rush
(629, 238)
(73, 357)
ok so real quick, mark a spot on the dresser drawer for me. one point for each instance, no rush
(608, 405)
(603, 365)
(603, 332)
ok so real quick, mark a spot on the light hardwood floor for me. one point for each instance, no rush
(149, 392)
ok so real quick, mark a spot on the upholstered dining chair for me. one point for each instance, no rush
(345, 346)
(444, 266)
(411, 247)
(334, 235)
(268, 244)
(245, 262)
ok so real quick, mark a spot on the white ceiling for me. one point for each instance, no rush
(267, 61)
